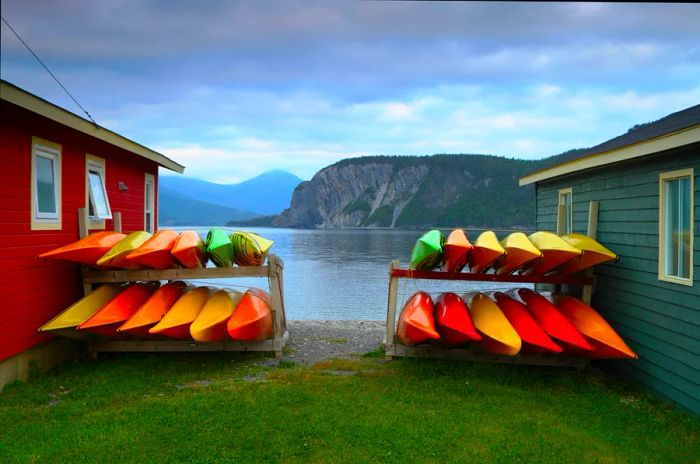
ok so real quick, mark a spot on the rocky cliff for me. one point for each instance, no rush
(440, 190)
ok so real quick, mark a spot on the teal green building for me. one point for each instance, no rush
(646, 184)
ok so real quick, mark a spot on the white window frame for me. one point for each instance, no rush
(663, 177)
(98, 165)
(564, 221)
(49, 150)
(149, 179)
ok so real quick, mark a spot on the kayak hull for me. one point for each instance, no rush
(553, 322)
(519, 252)
(486, 251)
(188, 250)
(555, 252)
(155, 252)
(456, 251)
(249, 249)
(110, 317)
(427, 252)
(607, 344)
(219, 248)
(153, 310)
(416, 321)
(252, 317)
(176, 322)
(210, 324)
(66, 323)
(86, 250)
(534, 339)
(593, 253)
(453, 322)
(499, 336)
(116, 257)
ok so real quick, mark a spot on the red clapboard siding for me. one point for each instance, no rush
(35, 290)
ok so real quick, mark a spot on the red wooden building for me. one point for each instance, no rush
(52, 163)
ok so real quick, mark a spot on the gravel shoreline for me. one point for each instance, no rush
(313, 341)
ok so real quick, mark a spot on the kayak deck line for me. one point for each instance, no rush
(515, 278)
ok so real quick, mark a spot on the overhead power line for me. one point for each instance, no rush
(49, 71)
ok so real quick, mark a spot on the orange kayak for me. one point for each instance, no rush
(155, 252)
(607, 344)
(499, 337)
(487, 249)
(553, 322)
(535, 340)
(555, 252)
(176, 322)
(455, 251)
(86, 250)
(210, 325)
(189, 250)
(453, 321)
(416, 322)
(153, 309)
(122, 307)
(593, 253)
(252, 317)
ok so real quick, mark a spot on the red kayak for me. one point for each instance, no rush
(155, 252)
(86, 250)
(107, 320)
(455, 251)
(153, 310)
(416, 323)
(252, 317)
(607, 344)
(453, 321)
(553, 322)
(189, 250)
(535, 340)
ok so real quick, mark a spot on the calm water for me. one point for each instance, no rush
(343, 274)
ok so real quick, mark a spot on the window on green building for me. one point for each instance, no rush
(565, 212)
(676, 226)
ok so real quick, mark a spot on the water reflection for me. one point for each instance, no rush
(343, 274)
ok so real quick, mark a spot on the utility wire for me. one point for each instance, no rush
(49, 71)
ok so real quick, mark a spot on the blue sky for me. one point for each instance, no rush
(233, 89)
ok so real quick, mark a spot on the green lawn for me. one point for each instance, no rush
(208, 407)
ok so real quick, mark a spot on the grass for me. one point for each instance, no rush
(221, 407)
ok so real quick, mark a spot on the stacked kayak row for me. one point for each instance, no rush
(174, 310)
(539, 253)
(520, 321)
(165, 249)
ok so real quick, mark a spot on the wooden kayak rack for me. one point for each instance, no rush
(273, 271)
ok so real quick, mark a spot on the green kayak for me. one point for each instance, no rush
(427, 253)
(219, 248)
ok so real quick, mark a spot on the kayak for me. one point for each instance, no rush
(555, 252)
(210, 324)
(427, 251)
(155, 252)
(86, 250)
(535, 340)
(486, 250)
(252, 317)
(176, 322)
(67, 321)
(593, 253)
(249, 248)
(456, 251)
(607, 344)
(519, 253)
(188, 250)
(452, 320)
(219, 248)
(416, 322)
(153, 309)
(553, 322)
(116, 256)
(107, 320)
(499, 337)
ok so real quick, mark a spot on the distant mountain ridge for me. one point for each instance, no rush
(269, 193)
(426, 191)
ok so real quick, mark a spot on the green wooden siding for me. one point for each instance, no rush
(659, 320)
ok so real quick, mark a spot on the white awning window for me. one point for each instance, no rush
(98, 207)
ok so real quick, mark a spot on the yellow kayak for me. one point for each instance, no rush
(519, 253)
(593, 253)
(249, 248)
(210, 325)
(116, 256)
(555, 252)
(499, 335)
(176, 322)
(66, 322)
(486, 250)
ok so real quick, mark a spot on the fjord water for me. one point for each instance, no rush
(343, 274)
